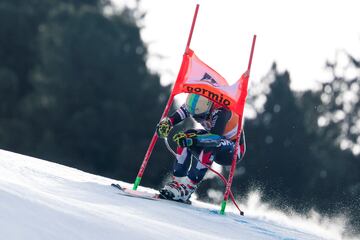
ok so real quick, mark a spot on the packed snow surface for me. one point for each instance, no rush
(44, 200)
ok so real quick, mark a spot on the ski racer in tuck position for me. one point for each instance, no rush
(196, 147)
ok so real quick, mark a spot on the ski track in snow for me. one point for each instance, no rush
(44, 200)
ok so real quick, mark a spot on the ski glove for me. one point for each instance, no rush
(184, 139)
(164, 127)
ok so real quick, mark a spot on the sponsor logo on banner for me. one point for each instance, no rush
(209, 79)
(216, 97)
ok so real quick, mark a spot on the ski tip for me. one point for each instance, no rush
(115, 185)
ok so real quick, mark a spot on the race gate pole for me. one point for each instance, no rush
(165, 113)
(233, 164)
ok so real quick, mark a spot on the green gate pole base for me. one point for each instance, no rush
(223, 206)
(136, 183)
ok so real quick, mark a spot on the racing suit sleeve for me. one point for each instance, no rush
(180, 115)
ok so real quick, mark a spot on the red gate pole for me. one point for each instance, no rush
(192, 28)
(233, 164)
(165, 113)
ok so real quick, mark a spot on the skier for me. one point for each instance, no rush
(216, 142)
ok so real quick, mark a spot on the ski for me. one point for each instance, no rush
(161, 195)
(136, 193)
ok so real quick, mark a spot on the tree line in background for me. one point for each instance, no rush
(75, 89)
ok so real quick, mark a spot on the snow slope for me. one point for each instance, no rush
(43, 200)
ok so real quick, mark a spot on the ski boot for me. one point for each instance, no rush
(179, 189)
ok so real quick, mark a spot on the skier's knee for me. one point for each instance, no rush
(179, 170)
